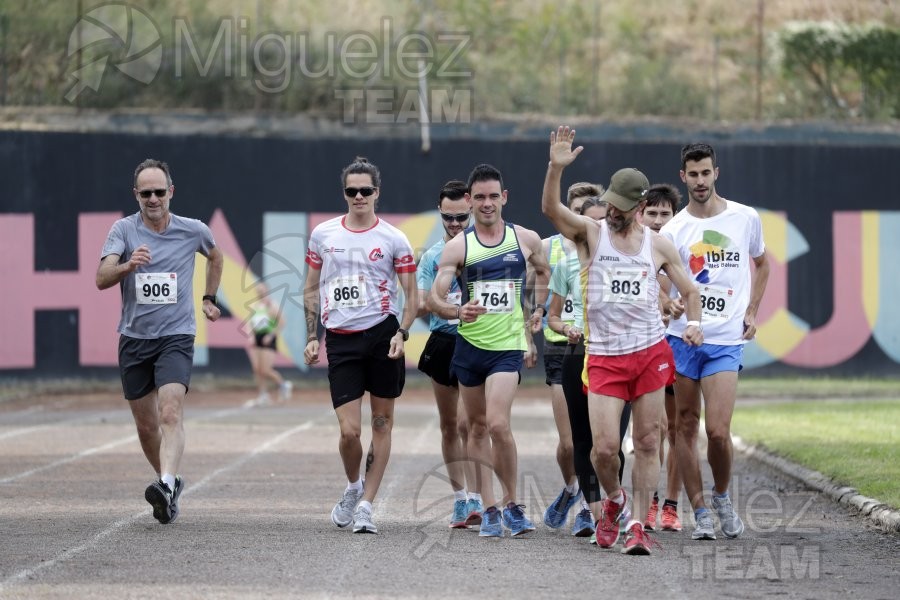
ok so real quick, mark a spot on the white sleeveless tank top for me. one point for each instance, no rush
(621, 294)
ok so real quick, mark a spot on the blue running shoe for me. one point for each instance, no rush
(515, 519)
(584, 523)
(474, 509)
(556, 514)
(458, 520)
(490, 523)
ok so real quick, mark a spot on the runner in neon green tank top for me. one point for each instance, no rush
(489, 260)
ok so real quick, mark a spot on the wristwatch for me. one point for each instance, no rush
(211, 298)
(405, 333)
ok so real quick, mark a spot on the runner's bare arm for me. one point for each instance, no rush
(215, 262)
(540, 267)
(311, 314)
(566, 222)
(110, 272)
(757, 288)
(449, 268)
(410, 309)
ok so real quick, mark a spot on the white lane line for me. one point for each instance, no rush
(32, 572)
(110, 445)
(65, 423)
(68, 459)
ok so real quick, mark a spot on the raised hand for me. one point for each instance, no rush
(561, 152)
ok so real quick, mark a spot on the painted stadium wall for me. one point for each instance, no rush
(830, 215)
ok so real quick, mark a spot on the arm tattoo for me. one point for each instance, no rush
(312, 321)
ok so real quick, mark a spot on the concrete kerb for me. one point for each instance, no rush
(880, 514)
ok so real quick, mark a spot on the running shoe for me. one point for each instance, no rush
(670, 520)
(458, 520)
(638, 541)
(342, 513)
(362, 521)
(159, 496)
(515, 520)
(285, 390)
(474, 510)
(556, 514)
(611, 514)
(703, 527)
(650, 521)
(490, 524)
(584, 523)
(173, 506)
(731, 523)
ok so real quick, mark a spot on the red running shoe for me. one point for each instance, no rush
(638, 541)
(611, 514)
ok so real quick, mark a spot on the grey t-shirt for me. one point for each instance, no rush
(150, 309)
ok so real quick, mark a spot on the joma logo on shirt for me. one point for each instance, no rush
(375, 255)
(510, 257)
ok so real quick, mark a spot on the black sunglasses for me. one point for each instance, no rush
(365, 191)
(460, 218)
(160, 193)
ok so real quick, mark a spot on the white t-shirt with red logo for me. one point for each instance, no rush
(358, 282)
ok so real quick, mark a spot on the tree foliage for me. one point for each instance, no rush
(848, 70)
(599, 58)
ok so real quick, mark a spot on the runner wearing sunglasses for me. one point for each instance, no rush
(435, 362)
(151, 255)
(354, 264)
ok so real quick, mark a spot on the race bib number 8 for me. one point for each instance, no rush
(715, 302)
(568, 310)
(496, 296)
(347, 292)
(628, 285)
(156, 288)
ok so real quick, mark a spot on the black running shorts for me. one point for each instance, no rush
(436, 356)
(146, 365)
(358, 363)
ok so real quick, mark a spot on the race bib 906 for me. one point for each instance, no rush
(156, 288)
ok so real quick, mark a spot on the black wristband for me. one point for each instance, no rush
(211, 298)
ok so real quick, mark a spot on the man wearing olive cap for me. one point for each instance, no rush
(629, 360)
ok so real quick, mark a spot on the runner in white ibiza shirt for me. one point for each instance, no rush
(354, 262)
(717, 239)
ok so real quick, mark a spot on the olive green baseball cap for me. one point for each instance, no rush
(626, 189)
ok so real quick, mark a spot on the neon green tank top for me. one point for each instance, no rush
(494, 275)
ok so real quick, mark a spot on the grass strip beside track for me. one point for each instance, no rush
(856, 442)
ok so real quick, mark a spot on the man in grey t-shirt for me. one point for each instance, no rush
(150, 254)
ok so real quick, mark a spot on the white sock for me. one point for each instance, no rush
(573, 488)
(169, 480)
(365, 504)
(357, 485)
(584, 504)
(474, 496)
(618, 499)
(459, 494)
